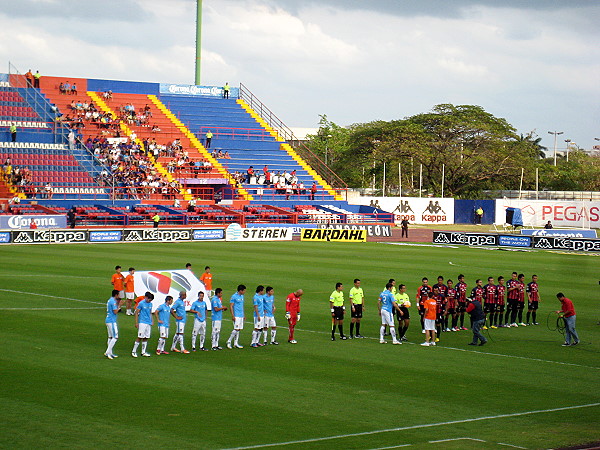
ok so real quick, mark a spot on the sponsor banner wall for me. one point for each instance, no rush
(156, 234)
(415, 210)
(42, 221)
(372, 229)
(235, 232)
(106, 236)
(565, 213)
(191, 89)
(5, 237)
(457, 237)
(169, 282)
(49, 236)
(331, 235)
(296, 227)
(203, 234)
(561, 233)
(560, 243)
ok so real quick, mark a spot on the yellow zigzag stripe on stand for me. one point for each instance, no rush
(127, 131)
(201, 149)
(290, 151)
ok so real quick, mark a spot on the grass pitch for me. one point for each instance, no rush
(523, 389)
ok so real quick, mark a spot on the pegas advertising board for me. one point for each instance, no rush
(563, 213)
(415, 210)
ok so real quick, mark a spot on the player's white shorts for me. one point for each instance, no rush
(216, 326)
(429, 324)
(387, 318)
(179, 327)
(130, 295)
(121, 294)
(113, 330)
(269, 322)
(238, 323)
(199, 327)
(259, 323)
(164, 332)
(144, 330)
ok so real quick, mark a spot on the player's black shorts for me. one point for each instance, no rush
(520, 305)
(462, 307)
(511, 304)
(533, 305)
(338, 312)
(451, 311)
(500, 308)
(357, 313)
(405, 312)
(489, 307)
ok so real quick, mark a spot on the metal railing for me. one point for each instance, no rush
(286, 133)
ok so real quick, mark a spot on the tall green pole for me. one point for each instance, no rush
(198, 39)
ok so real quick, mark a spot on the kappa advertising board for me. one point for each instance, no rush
(156, 235)
(23, 222)
(537, 213)
(559, 243)
(456, 237)
(415, 210)
(169, 282)
(49, 237)
(561, 233)
(372, 230)
(331, 235)
(235, 232)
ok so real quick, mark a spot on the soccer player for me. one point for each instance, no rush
(206, 278)
(217, 317)
(403, 302)
(198, 308)
(112, 308)
(521, 299)
(188, 266)
(387, 305)
(143, 322)
(336, 304)
(477, 291)
(533, 298)
(461, 300)
(439, 311)
(117, 281)
(489, 305)
(269, 316)
(500, 301)
(429, 316)
(129, 290)
(451, 296)
(236, 305)
(422, 295)
(163, 318)
(357, 306)
(292, 313)
(180, 318)
(512, 288)
(259, 311)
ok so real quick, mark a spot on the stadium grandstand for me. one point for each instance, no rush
(119, 152)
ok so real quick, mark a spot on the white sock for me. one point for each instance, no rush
(236, 338)
(181, 342)
(273, 334)
(202, 336)
(194, 339)
(381, 332)
(111, 344)
(231, 337)
(135, 346)
(144, 345)
(393, 332)
(174, 342)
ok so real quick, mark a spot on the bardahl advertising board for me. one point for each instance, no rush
(415, 210)
(331, 235)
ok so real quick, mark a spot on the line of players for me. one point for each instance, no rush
(264, 318)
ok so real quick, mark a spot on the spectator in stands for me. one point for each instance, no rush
(313, 190)
(29, 78)
(208, 139)
(300, 188)
(61, 88)
(36, 79)
(249, 174)
(155, 129)
(226, 90)
(176, 203)
(226, 155)
(49, 191)
(71, 218)
(67, 87)
(71, 139)
(32, 225)
(15, 200)
(156, 219)
(74, 89)
(107, 95)
(13, 132)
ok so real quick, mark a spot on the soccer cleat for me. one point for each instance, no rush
(203, 349)
(219, 348)
(481, 344)
(254, 345)
(494, 327)
(260, 345)
(454, 329)
(114, 356)
(158, 352)
(351, 336)
(425, 344)
(185, 351)
(381, 341)
(397, 343)
(162, 352)
(484, 327)
(359, 336)
(472, 343)
(108, 356)
(523, 324)
(274, 343)
(147, 355)
(432, 344)
(176, 350)
(343, 338)
(437, 339)
(535, 323)
(229, 345)
(403, 338)
(293, 341)
(238, 346)
(214, 348)
(574, 343)
(134, 354)
(193, 349)
(332, 338)
(464, 328)
(566, 345)
(447, 329)
(514, 325)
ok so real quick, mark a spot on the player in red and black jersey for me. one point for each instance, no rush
(521, 298)
(533, 297)
(461, 300)
(442, 288)
(512, 290)
(422, 295)
(500, 296)
(477, 291)
(451, 296)
(489, 305)
(440, 307)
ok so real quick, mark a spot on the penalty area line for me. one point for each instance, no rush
(414, 427)
(51, 296)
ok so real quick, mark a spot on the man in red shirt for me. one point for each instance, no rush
(568, 314)
(292, 312)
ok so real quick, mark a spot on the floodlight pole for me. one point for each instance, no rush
(555, 133)
(198, 40)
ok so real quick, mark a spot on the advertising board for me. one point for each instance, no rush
(331, 235)
(564, 213)
(415, 210)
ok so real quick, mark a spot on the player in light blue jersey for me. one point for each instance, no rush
(198, 308)
(236, 306)
(163, 316)
(258, 304)
(217, 316)
(180, 317)
(112, 309)
(143, 322)
(269, 316)
(387, 307)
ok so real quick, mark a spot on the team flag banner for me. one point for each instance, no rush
(333, 235)
(169, 282)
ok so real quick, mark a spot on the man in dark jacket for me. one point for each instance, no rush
(477, 319)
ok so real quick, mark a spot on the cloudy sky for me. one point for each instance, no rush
(534, 62)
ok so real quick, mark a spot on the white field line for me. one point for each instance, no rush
(51, 296)
(457, 439)
(414, 427)
(510, 445)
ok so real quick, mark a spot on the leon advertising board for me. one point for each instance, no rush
(169, 282)
(561, 213)
(415, 210)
